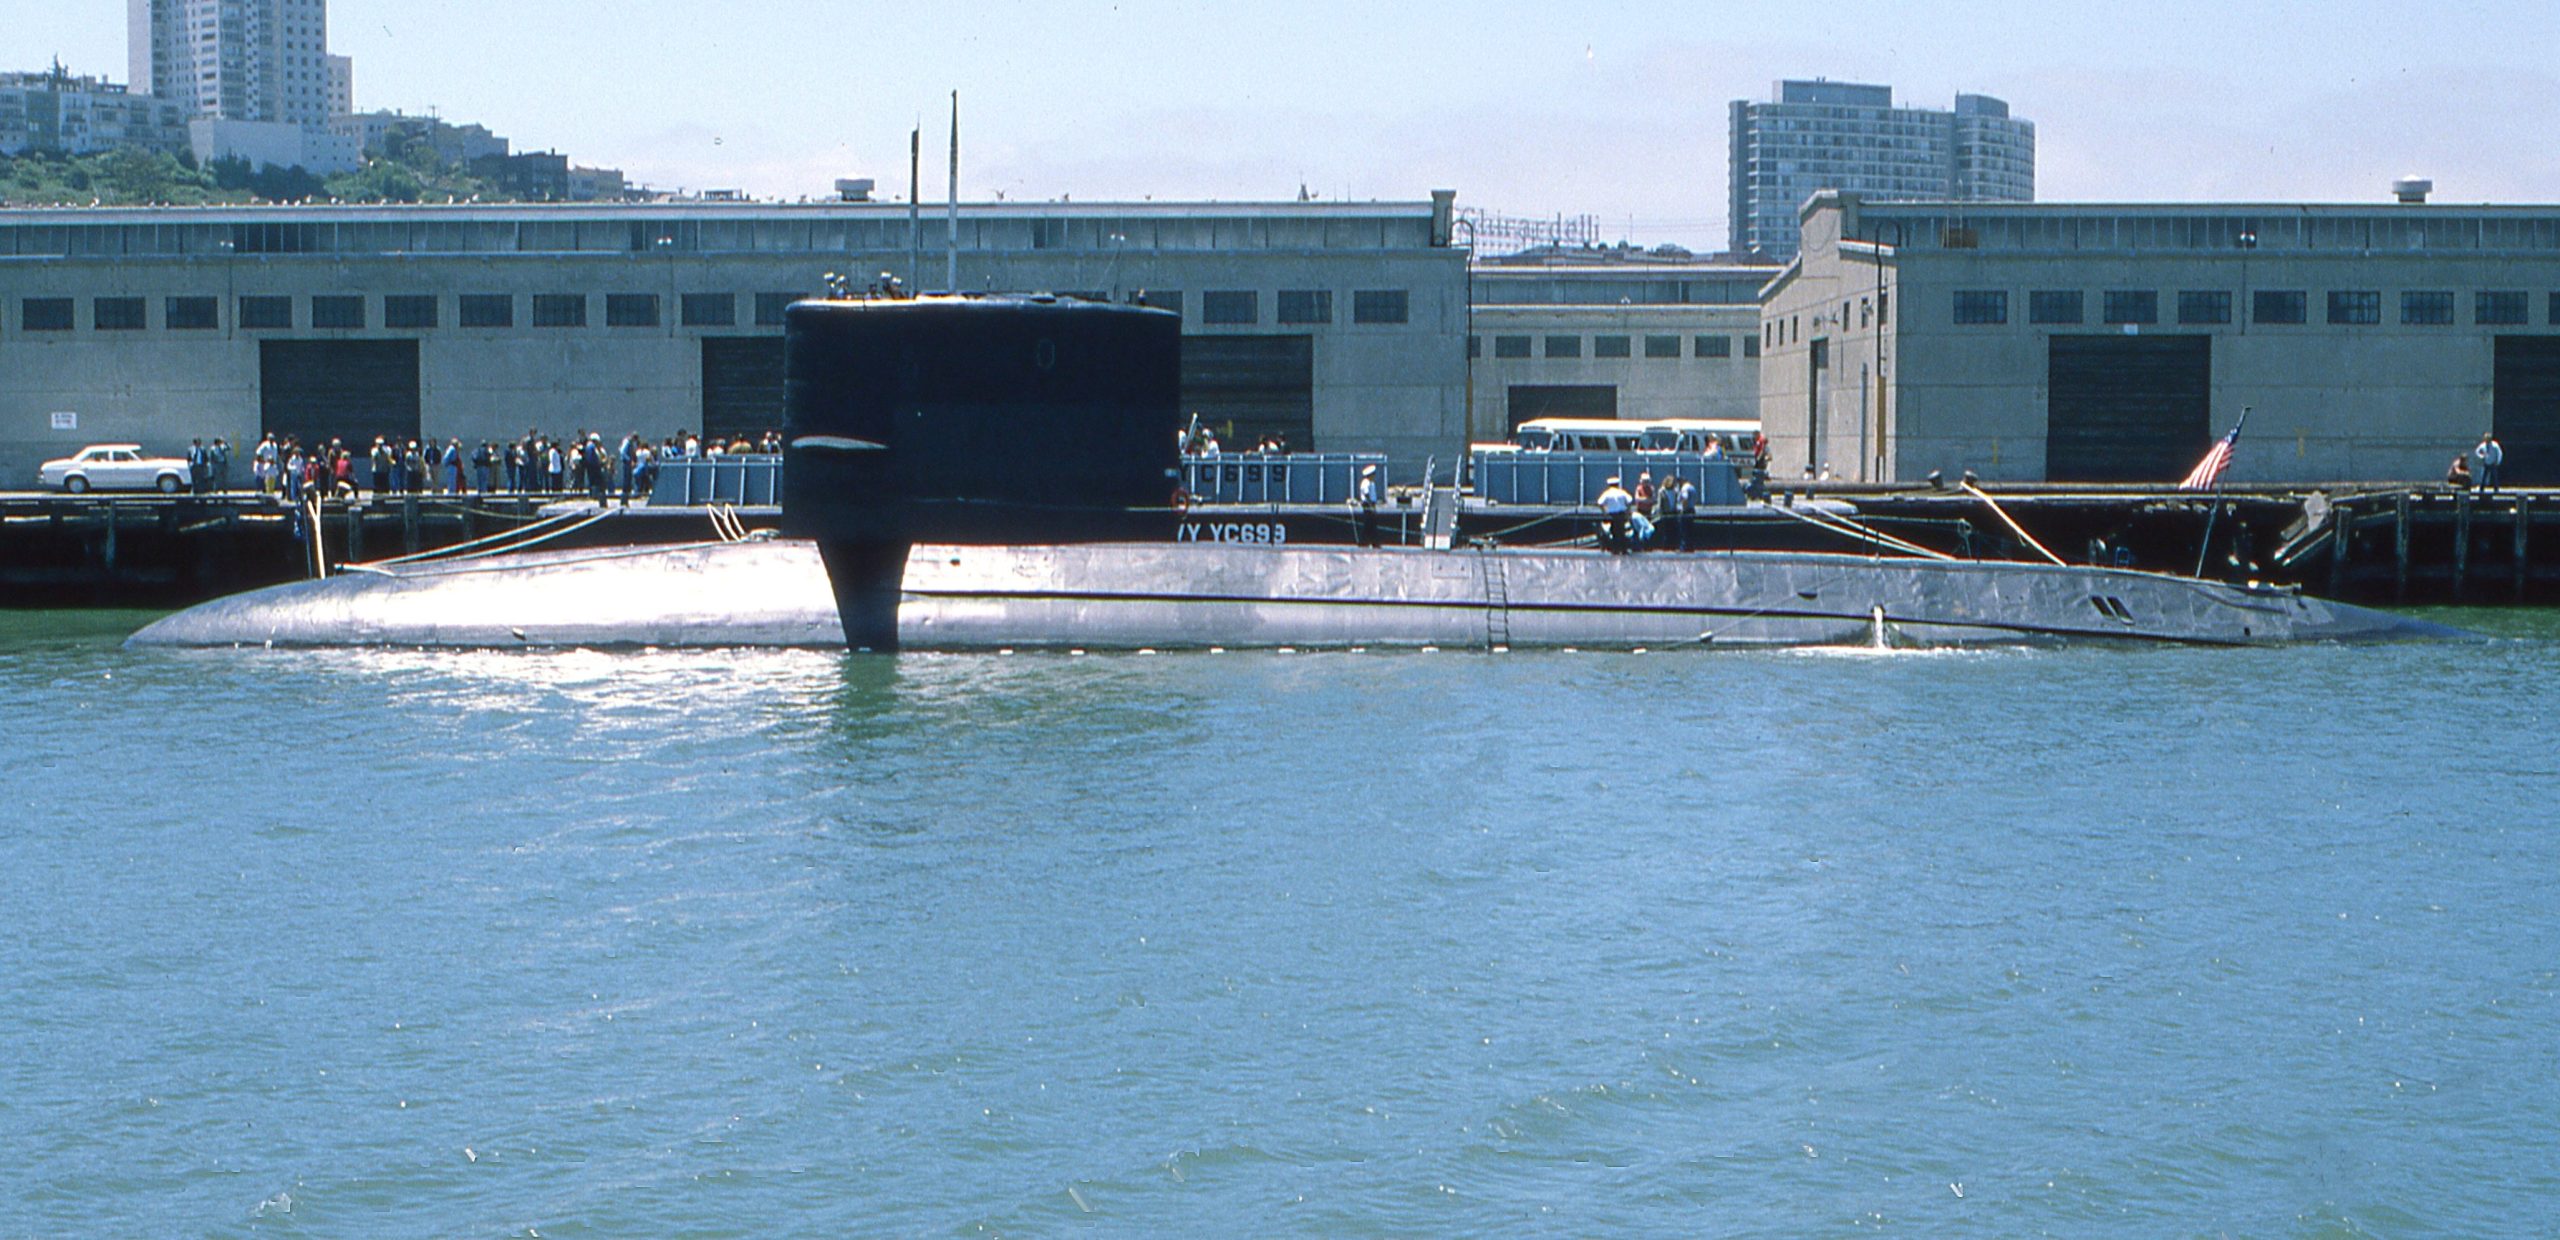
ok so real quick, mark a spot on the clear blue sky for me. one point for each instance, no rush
(1613, 109)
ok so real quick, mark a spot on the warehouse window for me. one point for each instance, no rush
(559, 309)
(1305, 305)
(769, 307)
(1380, 305)
(2426, 307)
(1564, 346)
(488, 310)
(409, 310)
(1611, 346)
(1230, 306)
(710, 309)
(44, 313)
(2356, 307)
(1982, 306)
(631, 309)
(1511, 346)
(1716, 346)
(2131, 305)
(1750, 346)
(189, 314)
(337, 312)
(2204, 306)
(1161, 299)
(267, 312)
(2500, 309)
(1662, 346)
(2279, 306)
(1475, 347)
(118, 314)
(2551, 313)
(2054, 306)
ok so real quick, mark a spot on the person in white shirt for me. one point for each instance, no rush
(2485, 461)
(1616, 506)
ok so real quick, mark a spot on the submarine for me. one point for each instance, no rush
(997, 471)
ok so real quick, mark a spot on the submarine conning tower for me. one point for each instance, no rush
(972, 419)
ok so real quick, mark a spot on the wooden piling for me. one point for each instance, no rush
(2524, 522)
(2341, 537)
(409, 522)
(355, 533)
(2461, 542)
(2400, 549)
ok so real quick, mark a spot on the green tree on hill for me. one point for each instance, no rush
(136, 177)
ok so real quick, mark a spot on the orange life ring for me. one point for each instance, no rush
(1181, 501)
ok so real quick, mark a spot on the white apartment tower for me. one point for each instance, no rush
(1846, 136)
(237, 60)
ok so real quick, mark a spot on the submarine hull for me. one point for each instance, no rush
(756, 593)
(1148, 595)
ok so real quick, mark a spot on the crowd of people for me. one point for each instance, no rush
(1632, 520)
(537, 464)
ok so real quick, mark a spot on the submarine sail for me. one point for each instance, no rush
(971, 420)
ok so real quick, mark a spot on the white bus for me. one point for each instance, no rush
(1732, 436)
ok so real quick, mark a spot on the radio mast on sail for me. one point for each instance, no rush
(951, 244)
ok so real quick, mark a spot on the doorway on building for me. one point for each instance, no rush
(1817, 377)
(1246, 387)
(2127, 408)
(2525, 409)
(741, 388)
(348, 390)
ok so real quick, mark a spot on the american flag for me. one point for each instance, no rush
(2208, 471)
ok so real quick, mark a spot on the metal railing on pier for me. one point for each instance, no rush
(746, 480)
(1565, 479)
(1279, 478)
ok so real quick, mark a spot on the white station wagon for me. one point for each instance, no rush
(114, 467)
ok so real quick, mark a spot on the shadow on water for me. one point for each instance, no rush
(1043, 698)
(2518, 623)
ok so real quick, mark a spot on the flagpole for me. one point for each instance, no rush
(2206, 548)
(2216, 511)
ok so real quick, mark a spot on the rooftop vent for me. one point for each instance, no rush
(853, 189)
(2413, 190)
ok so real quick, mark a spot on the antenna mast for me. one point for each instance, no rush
(915, 219)
(951, 243)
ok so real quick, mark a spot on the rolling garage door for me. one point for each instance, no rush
(1246, 387)
(1561, 400)
(2525, 409)
(2127, 408)
(349, 390)
(741, 386)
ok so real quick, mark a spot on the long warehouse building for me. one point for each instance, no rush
(1341, 326)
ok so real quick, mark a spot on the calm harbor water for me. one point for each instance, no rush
(2033, 942)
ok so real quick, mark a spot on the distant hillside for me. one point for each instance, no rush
(128, 178)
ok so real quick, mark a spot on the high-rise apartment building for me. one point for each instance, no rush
(236, 60)
(254, 78)
(1821, 135)
(342, 87)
